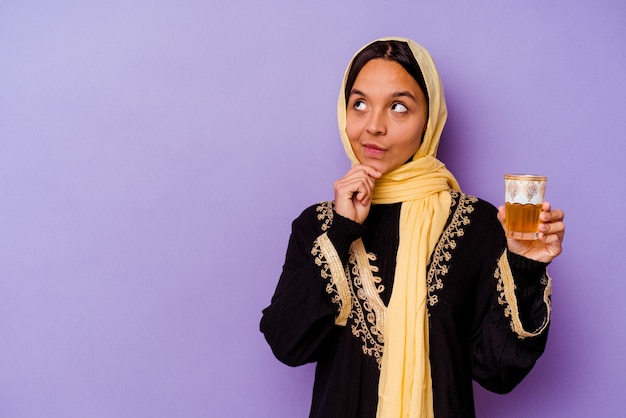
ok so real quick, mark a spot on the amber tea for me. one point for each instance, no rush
(523, 198)
(522, 218)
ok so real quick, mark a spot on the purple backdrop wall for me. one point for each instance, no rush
(153, 155)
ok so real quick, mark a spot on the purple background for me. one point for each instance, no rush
(154, 153)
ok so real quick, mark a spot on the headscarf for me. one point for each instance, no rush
(423, 186)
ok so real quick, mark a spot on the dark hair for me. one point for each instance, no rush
(391, 50)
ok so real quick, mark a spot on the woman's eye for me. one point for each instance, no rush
(399, 107)
(359, 105)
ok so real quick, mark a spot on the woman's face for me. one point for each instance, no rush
(386, 115)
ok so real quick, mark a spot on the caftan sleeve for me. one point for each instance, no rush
(512, 329)
(310, 301)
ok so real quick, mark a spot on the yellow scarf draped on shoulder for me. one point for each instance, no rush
(423, 186)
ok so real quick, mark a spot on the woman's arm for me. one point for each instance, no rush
(512, 330)
(306, 304)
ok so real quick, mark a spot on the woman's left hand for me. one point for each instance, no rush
(549, 238)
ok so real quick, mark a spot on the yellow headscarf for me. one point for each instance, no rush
(423, 186)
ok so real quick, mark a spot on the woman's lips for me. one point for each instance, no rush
(373, 150)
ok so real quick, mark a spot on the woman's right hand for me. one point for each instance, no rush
(353, 192)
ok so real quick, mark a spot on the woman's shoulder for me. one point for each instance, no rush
(473, 209)
(318, 216)
(475, 216)
(476, 203)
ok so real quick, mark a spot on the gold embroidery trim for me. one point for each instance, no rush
(442, 254)
(337, 277)
(506, 286)
(370, 284)
(355, 288)
(325, 214)
(363, 317)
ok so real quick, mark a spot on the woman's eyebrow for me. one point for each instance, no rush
(404, 94)
(359, 92)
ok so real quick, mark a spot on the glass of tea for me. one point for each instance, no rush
(523, 196)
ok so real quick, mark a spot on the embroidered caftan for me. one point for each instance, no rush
(483, 325)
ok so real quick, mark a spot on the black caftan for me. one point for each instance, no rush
(482, 326)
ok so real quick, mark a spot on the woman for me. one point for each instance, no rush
(403, 289)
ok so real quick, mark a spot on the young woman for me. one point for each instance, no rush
(403, 289)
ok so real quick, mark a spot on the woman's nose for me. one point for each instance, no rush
(376, 125)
